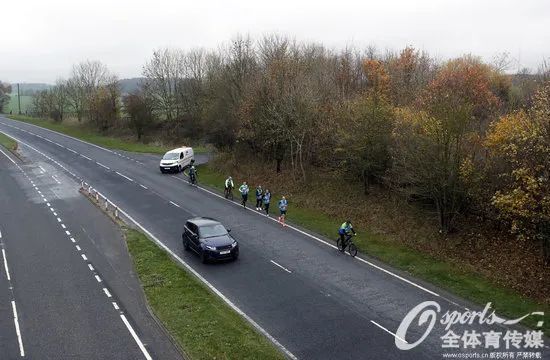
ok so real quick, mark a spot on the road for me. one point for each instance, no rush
(67, 288)
(316, 302)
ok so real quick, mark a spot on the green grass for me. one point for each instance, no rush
(13, 106)
(204, 326)
(8, 142)
(458, 280)
(88, 135)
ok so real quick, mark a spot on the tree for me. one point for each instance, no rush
(5, 90)
(519, 147)
(86, 79)
(104, 107)
(364, 138)
(139, 110)
(162, 77)
(431, 145)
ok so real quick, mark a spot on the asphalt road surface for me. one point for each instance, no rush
(67, 288)
(316, 302)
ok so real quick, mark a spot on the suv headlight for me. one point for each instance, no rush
(210, 247)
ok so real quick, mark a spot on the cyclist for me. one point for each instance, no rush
(259, 197)
(345, 231)
(243, 189)
(229, 185)
(193, 174)
(283, 205)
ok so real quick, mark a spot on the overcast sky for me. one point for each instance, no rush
(41, 39)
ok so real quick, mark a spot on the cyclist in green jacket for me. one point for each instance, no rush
(345, 231)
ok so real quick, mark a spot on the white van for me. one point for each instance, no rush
(176, 160)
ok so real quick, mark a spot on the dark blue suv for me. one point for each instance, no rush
(210, 239)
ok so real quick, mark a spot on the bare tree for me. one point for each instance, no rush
(163, 75)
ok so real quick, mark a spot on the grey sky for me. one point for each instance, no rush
(43, 38)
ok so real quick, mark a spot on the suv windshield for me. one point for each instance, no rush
(212, 230)
(170, 156)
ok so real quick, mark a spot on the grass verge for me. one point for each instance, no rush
(8, 142)
(459, 280)
(95, 138)
(200, 321)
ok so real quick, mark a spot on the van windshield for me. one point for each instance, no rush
(171, 156)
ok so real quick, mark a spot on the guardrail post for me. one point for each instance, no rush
(96, 196)
(106, 204)
(116, 212)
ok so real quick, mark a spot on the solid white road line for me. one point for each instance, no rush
(17, 330)
(282, 267)
(173, 203)
(124, 176)
(389, 332)
(6, 265)
(136, 338)
(6, 155)
(100, 164)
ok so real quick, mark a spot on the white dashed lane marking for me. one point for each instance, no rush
(124, 176)
(100, 164)
(389, 332)
(106, 291)
(173, 203)
(282, 267)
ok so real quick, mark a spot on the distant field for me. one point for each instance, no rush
(26, 102)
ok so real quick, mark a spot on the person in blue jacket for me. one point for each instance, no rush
(266, 200)
(283, 206)
(243, 189)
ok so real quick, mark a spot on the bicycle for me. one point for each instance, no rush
(228, 193)
(352, 249)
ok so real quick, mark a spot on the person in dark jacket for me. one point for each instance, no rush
(266, 200)
(259, 197)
